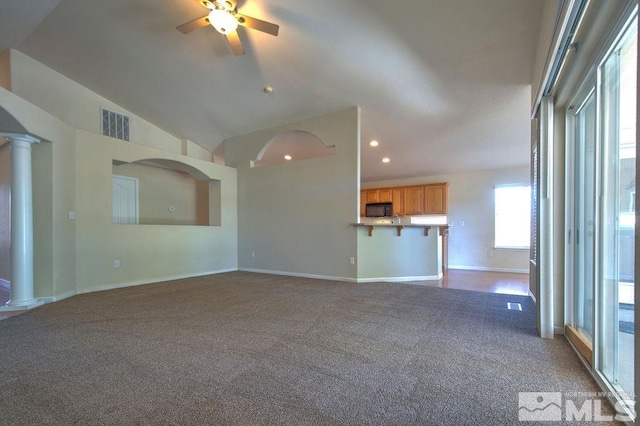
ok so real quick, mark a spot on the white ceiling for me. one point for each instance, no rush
(444, 85)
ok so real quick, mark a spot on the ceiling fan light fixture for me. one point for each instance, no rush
(223, 21)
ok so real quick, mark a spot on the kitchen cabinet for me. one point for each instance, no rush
(413, 200)
(435, 198)
(373, 196)
(409, 200)
(384, 195)
(397, 198)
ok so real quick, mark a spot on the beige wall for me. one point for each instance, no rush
(296, 216)
(146, 253)
(79, 106)
(5, 214)
(5, 69)
(168, 197)
(194, 150)
(545, 38)
(72, 171)
(471, 201)
(412, 256)
(53, 169)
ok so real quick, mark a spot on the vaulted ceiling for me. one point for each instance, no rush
(444, 85)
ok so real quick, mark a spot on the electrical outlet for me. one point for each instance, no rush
(352, 260)
(253, 254)
(116, 263)
(461, 223)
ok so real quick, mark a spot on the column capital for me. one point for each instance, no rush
(21, 137)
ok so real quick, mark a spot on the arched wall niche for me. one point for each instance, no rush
(297, 144)
(168, 192)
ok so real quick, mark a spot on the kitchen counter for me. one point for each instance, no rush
(400, 226)
(399, 251)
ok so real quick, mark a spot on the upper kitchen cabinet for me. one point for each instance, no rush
(372, 195)
(413, 200)
(397, 198)
(385, 195)
(435, 198)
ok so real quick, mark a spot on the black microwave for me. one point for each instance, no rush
(379, 210)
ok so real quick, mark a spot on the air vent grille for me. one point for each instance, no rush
(115, 125)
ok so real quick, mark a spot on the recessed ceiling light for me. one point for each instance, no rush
(268, 89)
(385, 160)
(373, 143)
(287, 157)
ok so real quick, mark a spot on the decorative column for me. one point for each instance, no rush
(21, 224)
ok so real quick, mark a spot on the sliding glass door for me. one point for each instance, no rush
(601, 154)
(617, 281)
(584, 215)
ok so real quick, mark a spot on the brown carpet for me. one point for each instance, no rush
(243, 348)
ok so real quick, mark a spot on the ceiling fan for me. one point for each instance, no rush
(224, 17)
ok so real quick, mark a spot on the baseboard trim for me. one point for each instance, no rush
(297, 274)
(558, 329)
(5, 284)
(489, 269)
(152, 281)
(401, 279)
(58, 297)
(344, 279)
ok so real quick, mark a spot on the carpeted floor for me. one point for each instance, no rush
(243, 348)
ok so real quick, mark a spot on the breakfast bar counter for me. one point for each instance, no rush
(399, 251)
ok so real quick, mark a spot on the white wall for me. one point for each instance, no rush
(296, 217)
(471, 200)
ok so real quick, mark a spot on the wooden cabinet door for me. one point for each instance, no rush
(397, 198)
(363, 203)
(435, 199)
(413, 200)
(384, 195)
(373, 196)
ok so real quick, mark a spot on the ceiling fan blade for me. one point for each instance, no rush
(235, 43)
(257, 24)
(193, 25)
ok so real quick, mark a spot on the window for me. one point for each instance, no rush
(513, 216)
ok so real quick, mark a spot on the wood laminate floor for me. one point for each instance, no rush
(488, 282)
